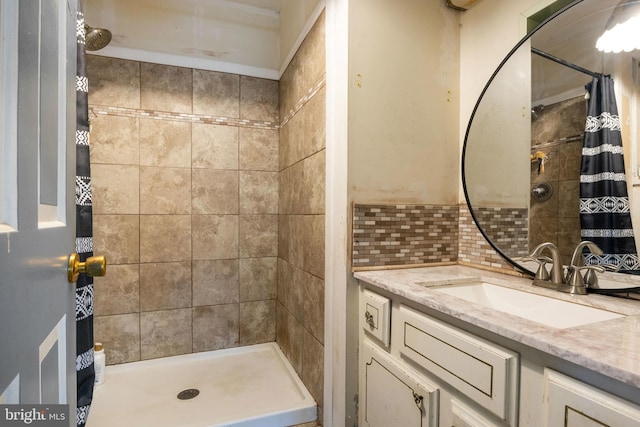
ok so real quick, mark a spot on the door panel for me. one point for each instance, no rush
(8, 117)
(37, 303)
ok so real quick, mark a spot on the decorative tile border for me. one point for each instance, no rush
(207, 119)
(182, 117)
(386, 235)
(557, 142)
(303, 100)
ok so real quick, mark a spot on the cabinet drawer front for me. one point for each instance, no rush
(375, 315)
(463, 416)
(392, 395)
(571, 403)
(483, 371)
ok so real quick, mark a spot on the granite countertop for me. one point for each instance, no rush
(610, 347)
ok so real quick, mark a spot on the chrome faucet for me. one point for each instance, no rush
(574, 282)
(555, 277)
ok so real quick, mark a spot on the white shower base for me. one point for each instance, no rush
(244, 386)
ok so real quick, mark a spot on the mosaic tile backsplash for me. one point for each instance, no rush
(404, 234)
(474, 249)
(506, 227)
(409, 235)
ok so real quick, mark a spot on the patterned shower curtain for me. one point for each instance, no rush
(605, 217)
(84, 240)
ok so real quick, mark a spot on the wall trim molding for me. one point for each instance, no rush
(337, 267)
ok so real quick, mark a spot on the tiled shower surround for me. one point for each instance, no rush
(185, 210)
(300, 296)
(209, 206)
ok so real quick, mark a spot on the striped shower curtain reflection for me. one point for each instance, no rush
(605, 216)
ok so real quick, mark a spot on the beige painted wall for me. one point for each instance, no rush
(403, 102)
(488, 32)
(403, 107)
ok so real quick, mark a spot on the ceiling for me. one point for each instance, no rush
(240, 36)
(243, 36)
(272, 5)
(571, 36)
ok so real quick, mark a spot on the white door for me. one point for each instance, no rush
(37, 215)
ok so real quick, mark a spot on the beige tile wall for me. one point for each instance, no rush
(185, 176)
(300, 308)
(558, 131)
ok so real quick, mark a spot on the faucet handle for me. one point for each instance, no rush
(610, 267)
(541, 273)
(575, 282)
(590, 278)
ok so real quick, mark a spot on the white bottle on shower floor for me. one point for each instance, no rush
(99, 363)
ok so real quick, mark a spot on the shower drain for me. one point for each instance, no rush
(189, 393)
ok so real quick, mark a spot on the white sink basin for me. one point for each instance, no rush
(542, 309)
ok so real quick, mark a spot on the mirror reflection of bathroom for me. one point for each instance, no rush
(557, 131)
(530, 126)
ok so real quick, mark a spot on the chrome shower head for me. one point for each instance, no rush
(96, 38)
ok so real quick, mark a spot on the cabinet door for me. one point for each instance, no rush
(571, 403)
(391, 395)
(479, 369)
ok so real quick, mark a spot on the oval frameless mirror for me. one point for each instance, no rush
(521, 161)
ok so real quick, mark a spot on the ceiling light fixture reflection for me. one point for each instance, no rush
(622, 32)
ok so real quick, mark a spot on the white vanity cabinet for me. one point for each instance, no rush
(430, 373)
(474, 366)
(479, 369)
(571, 403)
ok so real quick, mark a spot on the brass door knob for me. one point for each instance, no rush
(93, 266)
